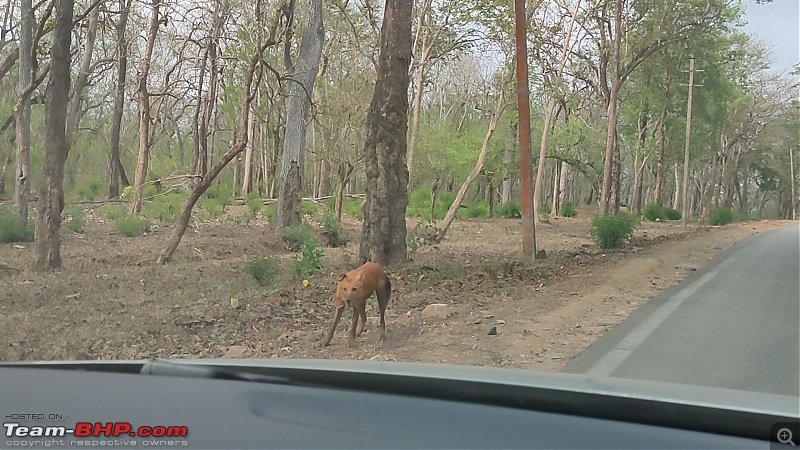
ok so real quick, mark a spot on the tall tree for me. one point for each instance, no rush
(47, 243)
(22, 110)
(144, 109)
(116, 172)
(301, 84)
(383, 233)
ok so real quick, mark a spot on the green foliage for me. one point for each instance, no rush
(333, 231)
(545, 209)
(270, 211)
(90, 189)
(132, 226)
(654, 211)
(297, 237)
(424, 233)
(210, 208)
(476, 211)
(309, 208)
(721, 216)
(510, 210)
(12, 229)
(264, 270)
(309, 261)
(353, 207)
(673, 214)
(166, 208)
(254, 205)
(74, 219)
(113, 211)
(568, 210)
(613, 231)
(223, 195)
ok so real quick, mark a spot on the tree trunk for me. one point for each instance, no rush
(451, 213)
(505, 187)
(22, 111)
(301, 85)
(82, 79)
(247, 183)
(638, 186)
(116, 173)
(424, 28)
(383, 232)
(144, 111)
(661, 165)
(557, 185)
(47, 243)
(345, 171)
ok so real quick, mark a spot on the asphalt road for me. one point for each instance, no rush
(734, 324)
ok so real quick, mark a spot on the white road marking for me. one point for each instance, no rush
(611, 361)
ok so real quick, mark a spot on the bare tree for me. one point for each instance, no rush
(144, 110)
(301, 84)
(116, 172)
(252, 77)
(47, 243)
(383, 234)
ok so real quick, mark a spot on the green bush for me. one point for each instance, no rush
(270, 211)
(672, 214)
(254, 205)
(510, 210)
(14, 230)
(545, 209)
(309, 207)
(353, 208)
(223, 195)
(210, 208)
(74, 219)
(613, 231)
(420, 197)
(477, 211)
(721, 216)
(333, 231)
(113, 212)
(90, 189)
(568, 210)
(654, 211)
(297, 237)
(264, 270)
(309, 261)
(132, 226)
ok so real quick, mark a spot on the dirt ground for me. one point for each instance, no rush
(112, 302)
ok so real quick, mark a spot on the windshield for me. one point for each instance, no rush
(595, 187)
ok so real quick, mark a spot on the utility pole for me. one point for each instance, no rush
(685, 189)
(525, 159)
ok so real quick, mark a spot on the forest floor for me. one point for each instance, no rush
(112, 302)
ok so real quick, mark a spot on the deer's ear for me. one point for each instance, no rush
(342, 276)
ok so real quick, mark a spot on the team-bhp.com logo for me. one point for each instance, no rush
(97, 429)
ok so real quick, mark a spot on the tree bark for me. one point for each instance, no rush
(383, 233)
(82, 80)
(451, 213)
(144, 111)
(116, 172)
(22, 111)
(423, 26)
(301, 86)
(47, 243)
